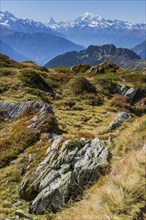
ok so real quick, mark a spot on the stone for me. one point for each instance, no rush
(134, 95)
(22, 170)
(30, 158)
(21, 213)
(109, 140)
(121, 117)
(100, 70)
(63, 173)
(39, 109)
(17, 203)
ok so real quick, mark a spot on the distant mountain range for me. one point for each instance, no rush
(31, 39)
(140, 49)
(41, 42)
(90, 29)
(94, 55)
(8, 20)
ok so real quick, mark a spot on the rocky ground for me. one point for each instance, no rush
(72, 142)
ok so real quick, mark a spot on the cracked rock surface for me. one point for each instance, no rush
(15, 109)
(64, 172)
(39, 111)
(121, 117)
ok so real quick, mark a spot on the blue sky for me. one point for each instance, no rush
(42, 10)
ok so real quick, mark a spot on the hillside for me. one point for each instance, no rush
(95, 55)
(38, 47)
(9, 51)
(72, 142)
(140, 49)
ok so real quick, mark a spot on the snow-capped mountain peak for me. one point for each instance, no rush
(51, 21)
(8, 20)
(95, 21)
(6, 14)
(87, 29)
(6, 17)
(89, 16)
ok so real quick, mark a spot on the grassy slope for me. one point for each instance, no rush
(115, 196)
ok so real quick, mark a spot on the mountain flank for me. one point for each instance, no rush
(38, 47)
(71, 138)
(140, 49)
(95, 55)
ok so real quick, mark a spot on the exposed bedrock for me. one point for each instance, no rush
(134, 94)
(40, 112)
(62, 175)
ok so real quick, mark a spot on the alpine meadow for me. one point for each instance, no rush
(72, 110)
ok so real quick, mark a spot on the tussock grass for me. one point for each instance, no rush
(120, 196)
(117, 196)
(18, 139)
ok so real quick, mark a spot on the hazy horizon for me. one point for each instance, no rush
(134, 11)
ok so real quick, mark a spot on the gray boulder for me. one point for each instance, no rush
(100, 70)
(121, 117)
(134, 94)
(38, 110)
(22, 214)
(67, 168)
(15, 109)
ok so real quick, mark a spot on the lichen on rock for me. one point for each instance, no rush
(62, 175)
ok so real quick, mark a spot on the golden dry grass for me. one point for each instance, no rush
(119, 196)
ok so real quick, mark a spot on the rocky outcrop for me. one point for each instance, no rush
(15, 109)
(38, 110)
(134, 95)
(20, 213)
(61, 176)
(121, 117)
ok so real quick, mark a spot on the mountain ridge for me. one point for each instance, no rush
(93, 29)
(87, 29)
(93, 20)
(94, 55)
(10, 21)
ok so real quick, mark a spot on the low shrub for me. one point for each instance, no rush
(69, 103)
(57, 80)
(39, 94)
(81, 68)
(62, 69)
(49, 124)
(34, 79)
(80, 85)
(16, 143)
(94, 100)
(120, 102)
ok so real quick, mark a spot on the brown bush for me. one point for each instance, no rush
(120, 102)
(49, 124)
(81, 68)
(80, 85)
(16, 143)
